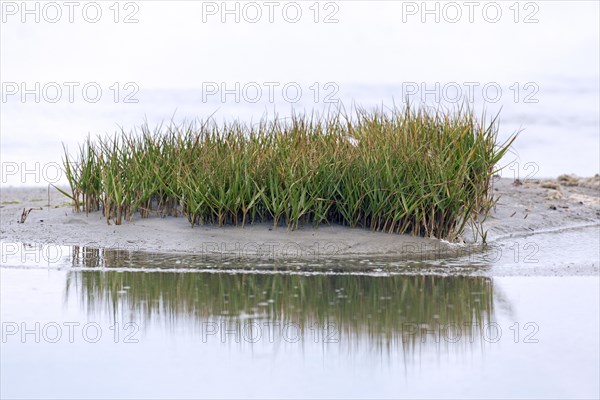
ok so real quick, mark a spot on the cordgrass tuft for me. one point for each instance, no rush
(406, 170)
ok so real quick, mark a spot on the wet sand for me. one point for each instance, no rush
(539, 206)
(523, 208)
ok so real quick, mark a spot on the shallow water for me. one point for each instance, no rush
(553, 253)
(100, 323)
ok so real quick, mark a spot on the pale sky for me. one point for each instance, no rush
(171, 47)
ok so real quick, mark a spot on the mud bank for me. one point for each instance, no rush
(523, 208)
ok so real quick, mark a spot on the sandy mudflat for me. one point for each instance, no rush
(522, 209)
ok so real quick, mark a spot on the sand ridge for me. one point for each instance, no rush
(523, 208)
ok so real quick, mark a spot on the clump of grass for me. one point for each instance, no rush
(401, 170)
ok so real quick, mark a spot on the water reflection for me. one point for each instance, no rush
(385, 313)
(123, 259)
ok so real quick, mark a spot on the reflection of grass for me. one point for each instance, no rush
(379, 308)
(407, 170)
